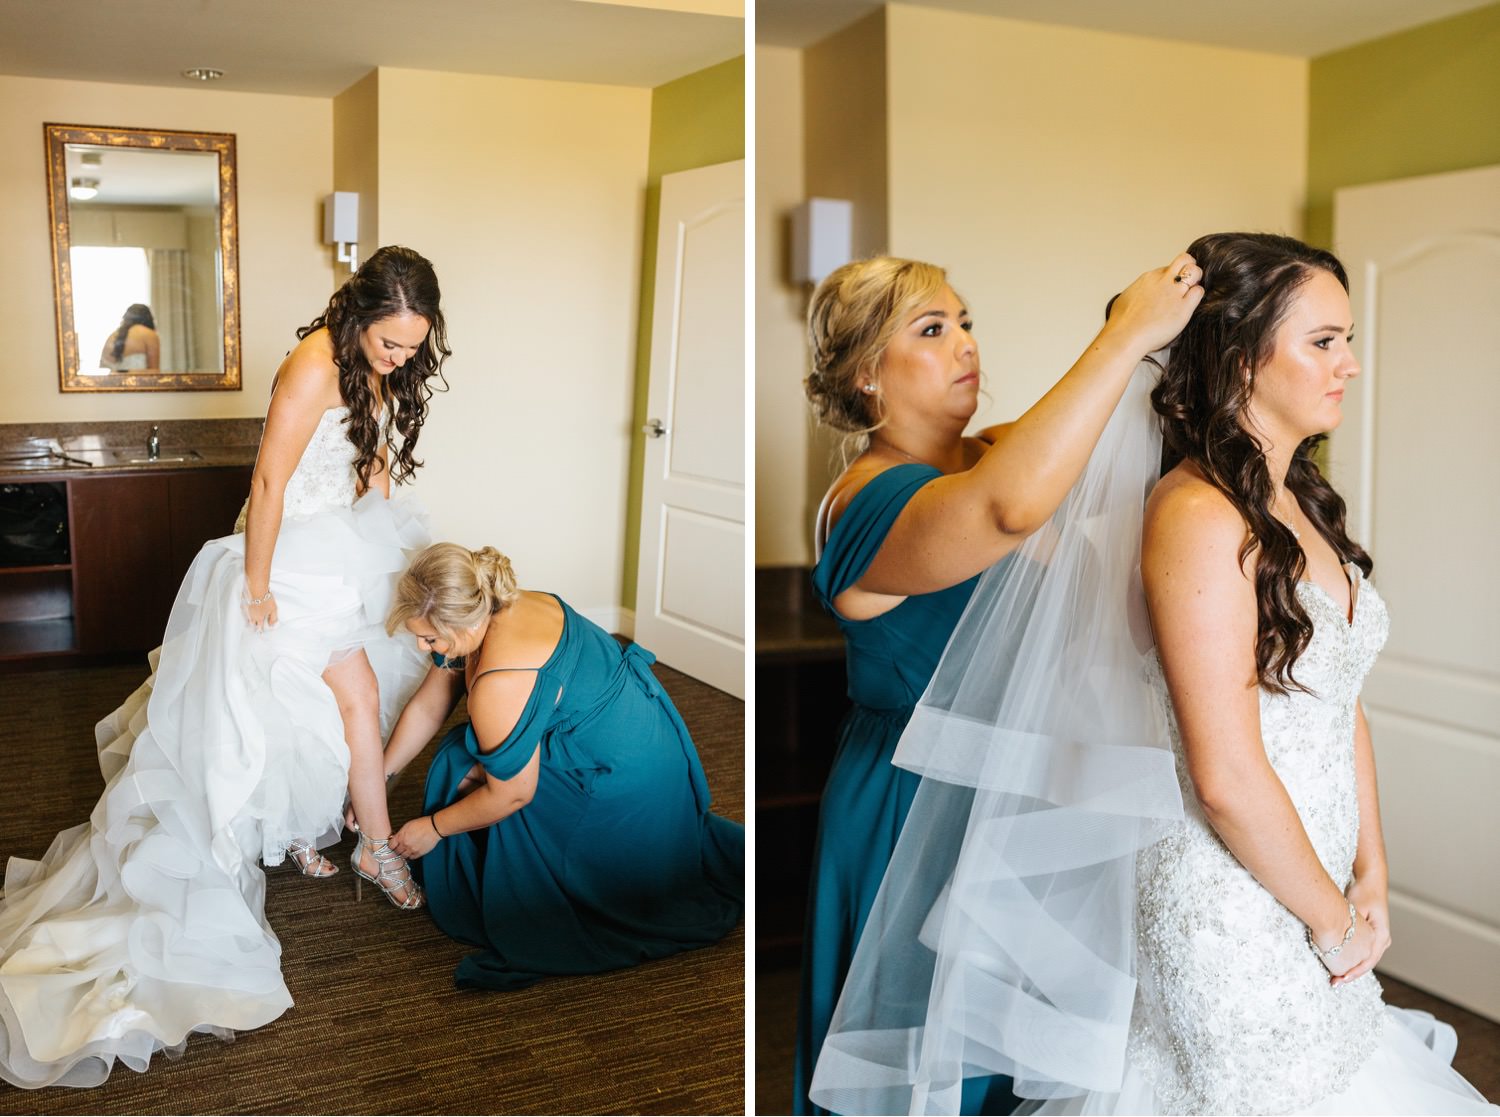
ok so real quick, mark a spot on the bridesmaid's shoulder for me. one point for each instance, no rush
(848, 485)
(845, 488)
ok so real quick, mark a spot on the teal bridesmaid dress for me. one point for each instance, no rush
(617, 858)
(889, 660)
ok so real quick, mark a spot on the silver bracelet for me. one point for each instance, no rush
(1333, 951)
(261, 600)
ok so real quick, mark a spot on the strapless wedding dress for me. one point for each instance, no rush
(147, 923)
(1233, 1013)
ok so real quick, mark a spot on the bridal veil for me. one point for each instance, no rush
(1002, 940)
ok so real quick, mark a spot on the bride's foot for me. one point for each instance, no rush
(309, 862)
(375, 861)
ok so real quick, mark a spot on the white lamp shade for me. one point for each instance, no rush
(341, 218)
(822, 233)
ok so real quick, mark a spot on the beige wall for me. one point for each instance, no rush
(356, 154)
(1044, 166)
(845, 143)
(781, 415)
(527, 197)
(285, 161)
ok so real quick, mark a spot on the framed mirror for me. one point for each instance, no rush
(145, 259)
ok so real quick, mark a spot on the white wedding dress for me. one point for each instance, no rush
(1233, 1012)
(147, 923)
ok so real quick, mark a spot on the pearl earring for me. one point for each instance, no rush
(869, 389)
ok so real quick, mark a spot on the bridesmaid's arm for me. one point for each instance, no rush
(486, 805)
(991, 435)
(1204, 614)
(496, 704)
(423, 716)
(1368, 892)
(956, 525)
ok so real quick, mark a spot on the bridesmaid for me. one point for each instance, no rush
(567, 827)
(903, 534)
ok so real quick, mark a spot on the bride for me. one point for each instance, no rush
(270, 696)
(1144, 870)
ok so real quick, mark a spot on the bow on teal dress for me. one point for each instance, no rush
(617, 858)
(890, 659)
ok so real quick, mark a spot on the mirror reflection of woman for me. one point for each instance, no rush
(135, 344)
(567, 826)
(265, 708)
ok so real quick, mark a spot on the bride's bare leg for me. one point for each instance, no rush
(357, 691)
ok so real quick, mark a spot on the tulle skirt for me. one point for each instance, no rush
(1410, 1072)
(146, 923)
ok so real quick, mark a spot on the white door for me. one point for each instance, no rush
(690, 596)
(1418, 461)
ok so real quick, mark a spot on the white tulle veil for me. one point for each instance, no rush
(1003, 937)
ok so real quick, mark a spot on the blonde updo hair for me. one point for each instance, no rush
(855, 313)
(453, 589)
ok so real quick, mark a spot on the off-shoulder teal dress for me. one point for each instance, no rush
(617, 858)
(889, 660)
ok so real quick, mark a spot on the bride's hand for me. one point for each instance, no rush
(1152, 311)
(263, 615)
(1354, 954)
(1368, 895)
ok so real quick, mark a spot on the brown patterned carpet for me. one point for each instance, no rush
(377, 1026)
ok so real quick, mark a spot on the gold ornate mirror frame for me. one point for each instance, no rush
(72, 377)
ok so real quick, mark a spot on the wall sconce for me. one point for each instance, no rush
(822, 235)
(83, 189)
(341, 226)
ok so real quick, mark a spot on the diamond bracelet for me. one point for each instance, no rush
(1332, 951)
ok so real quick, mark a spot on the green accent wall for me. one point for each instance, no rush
(1418, 102)
(696, 121)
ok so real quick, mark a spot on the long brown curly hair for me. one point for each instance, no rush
(393, 281)
(1249, 280)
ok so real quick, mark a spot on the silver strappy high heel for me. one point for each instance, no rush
(308, 861)
(392, 872)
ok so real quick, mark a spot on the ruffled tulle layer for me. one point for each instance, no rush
(147, 923)
(1410, 1072)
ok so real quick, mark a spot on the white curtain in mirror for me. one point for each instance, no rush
(173, 308)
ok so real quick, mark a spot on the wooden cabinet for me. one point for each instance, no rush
(800, 698)
(132, 537)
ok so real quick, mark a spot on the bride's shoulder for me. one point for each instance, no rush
(1187, 515)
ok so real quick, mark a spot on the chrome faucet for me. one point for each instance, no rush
(153, 444)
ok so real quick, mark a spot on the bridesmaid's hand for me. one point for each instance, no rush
(1152, 311)
(1368, 895)
(416, 838)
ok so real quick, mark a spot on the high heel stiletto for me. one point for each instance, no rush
(392, 872)
(308, 861)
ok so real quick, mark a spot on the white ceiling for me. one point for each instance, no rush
(1302, 28)
(129, 176)
(318, 48)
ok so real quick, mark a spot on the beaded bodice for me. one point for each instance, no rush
(324, 477)
(1234, 1014)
